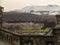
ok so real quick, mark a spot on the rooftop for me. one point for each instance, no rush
(57, 26)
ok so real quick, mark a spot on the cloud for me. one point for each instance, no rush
(19, 4)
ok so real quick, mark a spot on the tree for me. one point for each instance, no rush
(17, 27)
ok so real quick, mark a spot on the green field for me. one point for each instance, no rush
(33, 31)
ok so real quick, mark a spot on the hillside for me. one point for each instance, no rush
(26, 17)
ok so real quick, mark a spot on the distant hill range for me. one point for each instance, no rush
(50, 9)
(14, 16)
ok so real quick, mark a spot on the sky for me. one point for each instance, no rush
(10, 5)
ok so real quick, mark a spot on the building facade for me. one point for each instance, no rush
(56, 33)
(1, 14)
(23, 39)
(15, 38)
(57, 19)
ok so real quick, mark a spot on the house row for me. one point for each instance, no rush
(28, 21)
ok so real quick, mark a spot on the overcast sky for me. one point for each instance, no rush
(10, 5)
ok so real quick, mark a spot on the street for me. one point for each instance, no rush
(4, 43)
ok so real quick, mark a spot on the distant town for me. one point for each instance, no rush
(33, 25)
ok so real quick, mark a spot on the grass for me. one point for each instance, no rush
(33, 31)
